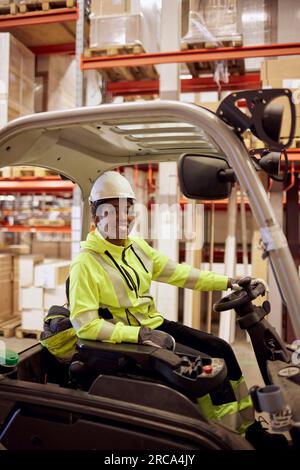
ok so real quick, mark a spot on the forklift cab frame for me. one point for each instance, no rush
(83, 143)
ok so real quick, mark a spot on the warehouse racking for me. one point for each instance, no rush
(54, 32)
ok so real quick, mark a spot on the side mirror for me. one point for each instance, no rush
(270, 115)
(205, 177)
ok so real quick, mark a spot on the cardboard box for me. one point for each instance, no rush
(279, 69)
(48, 249)
(15, 249)
(6, 286)
(65, 250)
(32, 319)
(51, 275)
(27, 264)
(16, 285)
(17, 74)
(55, 296)
(32, 298)
(9, 285)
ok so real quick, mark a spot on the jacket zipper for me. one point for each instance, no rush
(128, 279)
(125, 262)
(128, 312)
(126, 275)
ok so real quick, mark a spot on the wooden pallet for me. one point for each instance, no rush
(22, 333)
(25, 172)
(121, 74)
(235, 66)
(23, 6)
(7, 7)
(8, 327)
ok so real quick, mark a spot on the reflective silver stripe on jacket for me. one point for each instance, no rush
(235, 420)
(167, 271)
(106, 330)
(247, 414)
(192, 279)
(147, 261)
(240, 390)
(118, 283)
(84, 318)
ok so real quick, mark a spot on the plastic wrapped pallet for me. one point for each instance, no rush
(212, 24)
(126, 25)
(115, 30)
(257, 27)
(210, 20)
(16, 79)
(109, 7)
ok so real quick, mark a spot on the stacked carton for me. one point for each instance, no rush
(16, 79)
(52, 249)
(284, 73)
(9, 286)
(42, 285)
(59, 86)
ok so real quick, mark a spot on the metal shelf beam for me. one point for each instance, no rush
(188, 85)
(35, 187)
(67, 48)
(34, 229)
(190, 55)
(32, 18)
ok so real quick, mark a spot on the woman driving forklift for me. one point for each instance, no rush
(110, 301)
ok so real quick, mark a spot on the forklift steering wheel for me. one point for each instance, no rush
(236, 299)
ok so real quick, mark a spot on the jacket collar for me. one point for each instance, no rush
(99, 244)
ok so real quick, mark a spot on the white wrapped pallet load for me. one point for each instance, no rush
(115, 30)
(51, 275)
(55, 296)
(26, 267)
(32, 298)
(32, 319)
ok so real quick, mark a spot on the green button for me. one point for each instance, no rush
(9, 358)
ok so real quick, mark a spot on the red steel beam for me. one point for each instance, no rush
(190, 55)
(294, 155)
(188, 85)
(58, 15)
(37, 228)
(50, 186)
(68, 48)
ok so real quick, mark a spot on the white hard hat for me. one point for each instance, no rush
(111, 185)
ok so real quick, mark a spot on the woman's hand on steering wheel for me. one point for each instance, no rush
(247, 290)
(239, 283)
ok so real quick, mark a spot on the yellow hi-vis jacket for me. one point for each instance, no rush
(117, 279)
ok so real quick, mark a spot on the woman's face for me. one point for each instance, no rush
(115, 218)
